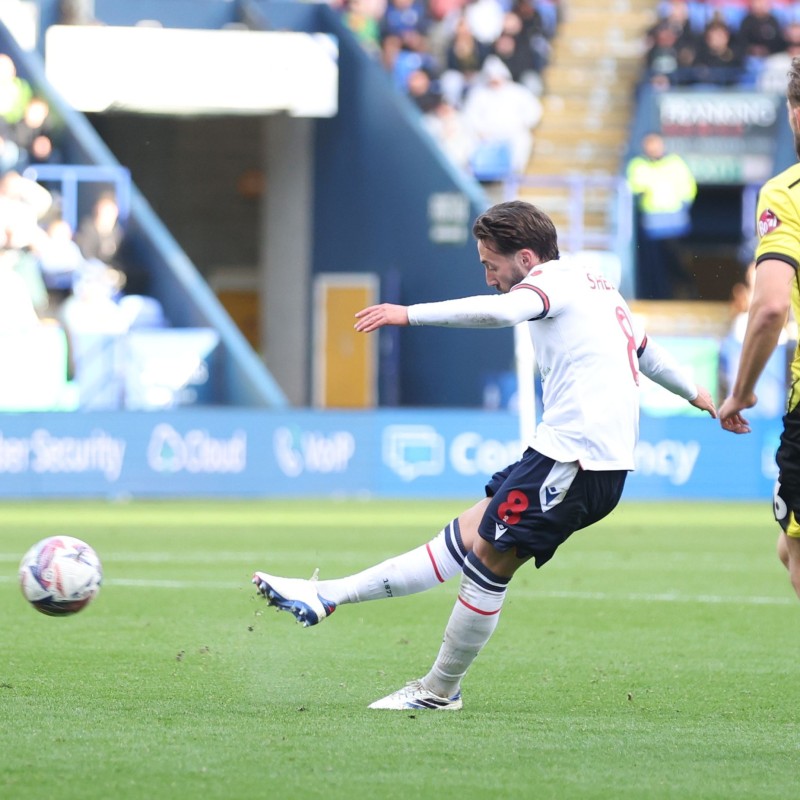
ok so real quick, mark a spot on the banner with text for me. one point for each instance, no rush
(724, 137)
(419, 453)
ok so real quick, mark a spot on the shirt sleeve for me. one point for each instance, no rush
(778, 225)
(660, 366)
(480, 311)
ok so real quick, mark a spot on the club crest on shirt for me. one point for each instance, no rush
(767, 222)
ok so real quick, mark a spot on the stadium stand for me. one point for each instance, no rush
(583, 62)
(38, 224)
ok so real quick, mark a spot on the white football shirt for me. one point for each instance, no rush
(585, 341)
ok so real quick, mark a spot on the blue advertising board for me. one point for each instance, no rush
(387, 453)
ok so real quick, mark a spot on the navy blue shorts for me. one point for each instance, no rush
(538, 503)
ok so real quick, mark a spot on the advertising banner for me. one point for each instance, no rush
(415, 453)
(724, 137)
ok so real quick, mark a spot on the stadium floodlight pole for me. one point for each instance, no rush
(524, 357)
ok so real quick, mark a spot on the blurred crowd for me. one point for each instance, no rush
(472, 67)
(50, 274)
(747, 43)
(36, 242)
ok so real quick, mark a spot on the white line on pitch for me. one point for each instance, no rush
(702, 599)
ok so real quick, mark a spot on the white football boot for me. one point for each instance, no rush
(296, 596)
(414, 696)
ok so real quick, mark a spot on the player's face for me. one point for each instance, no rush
(503, 271)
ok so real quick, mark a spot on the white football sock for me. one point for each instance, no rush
(415, 571)
(472, 622)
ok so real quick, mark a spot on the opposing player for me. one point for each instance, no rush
(590, 352)
(776, 290)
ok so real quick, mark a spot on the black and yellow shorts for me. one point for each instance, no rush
(786, 498)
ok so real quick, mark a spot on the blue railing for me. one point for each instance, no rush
(70, 176)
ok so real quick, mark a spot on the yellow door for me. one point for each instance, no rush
(345, 362)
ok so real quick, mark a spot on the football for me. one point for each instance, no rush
(60, 575)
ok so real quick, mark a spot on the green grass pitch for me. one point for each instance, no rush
(655, 657)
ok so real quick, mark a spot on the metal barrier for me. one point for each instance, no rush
(69, 176)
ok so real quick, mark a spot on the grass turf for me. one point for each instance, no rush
(654, 657)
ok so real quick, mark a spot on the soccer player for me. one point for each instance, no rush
(590, 351)
(775, 291)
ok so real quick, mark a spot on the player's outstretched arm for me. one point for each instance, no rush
(766, 318)
(373, 317)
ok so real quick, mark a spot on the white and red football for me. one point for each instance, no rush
(60, 575)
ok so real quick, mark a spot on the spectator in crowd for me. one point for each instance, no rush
(731, 12)
(390, 58)
(33, 134)
(93, 322)
(464, 58)
(406, 19)
(100, 234)
(718, 61)
(485, 19)
(760, 30)
(551, 14)
(530, 16)
(423, 90)
(60, 259)
(678, 16)
(404, 55)
(665, 190)
(500, 110)
(534, 30)
(665, 61)
(15, 92)
(440, 9)
(514, 48)
(363, 19)
(23, 204)
(775, 67)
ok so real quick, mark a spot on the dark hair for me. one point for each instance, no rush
(515, 225)
(793, 89)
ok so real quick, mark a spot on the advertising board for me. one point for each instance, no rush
(305, 453)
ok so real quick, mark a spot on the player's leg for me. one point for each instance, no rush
(786, 498)
(474, 617)
(793, 561)
(534, 509)
(511, 531)
(786, 502)
(472, 622)
(789, 554)
(417, 570)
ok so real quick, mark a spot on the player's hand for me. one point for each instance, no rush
(704, 402)
(730, 415)
(374, 317)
